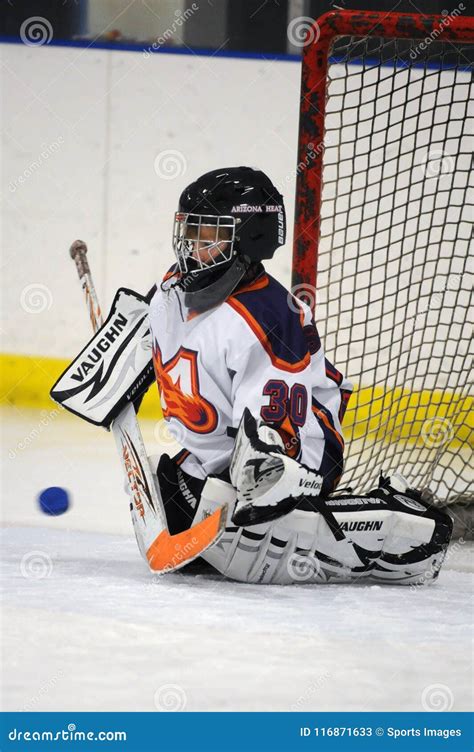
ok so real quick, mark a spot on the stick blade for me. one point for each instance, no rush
(170, 552)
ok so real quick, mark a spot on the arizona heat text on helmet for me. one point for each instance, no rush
(227, 220)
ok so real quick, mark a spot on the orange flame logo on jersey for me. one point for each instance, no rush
(178, 383)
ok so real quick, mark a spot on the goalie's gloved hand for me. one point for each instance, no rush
(269, 484)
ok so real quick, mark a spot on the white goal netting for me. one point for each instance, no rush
(395, 259)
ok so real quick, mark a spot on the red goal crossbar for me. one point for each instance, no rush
(316, 55)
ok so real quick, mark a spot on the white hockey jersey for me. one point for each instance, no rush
(259, 349)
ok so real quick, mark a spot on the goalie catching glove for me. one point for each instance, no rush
(269, 483)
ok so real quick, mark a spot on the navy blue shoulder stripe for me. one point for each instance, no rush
(271, 309)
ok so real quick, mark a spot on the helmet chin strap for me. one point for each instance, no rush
(202, 299)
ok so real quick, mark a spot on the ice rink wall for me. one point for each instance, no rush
(97, 145)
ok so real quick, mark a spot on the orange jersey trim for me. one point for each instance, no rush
(172, 273)
(183, 455)
(324, 418)
(290, 438)
(257, 284)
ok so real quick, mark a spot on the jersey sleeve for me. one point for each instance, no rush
(281, 374)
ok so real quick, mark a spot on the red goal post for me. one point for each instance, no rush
(383, 224)
(316, 55)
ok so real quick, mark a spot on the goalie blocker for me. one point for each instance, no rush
(115, 367)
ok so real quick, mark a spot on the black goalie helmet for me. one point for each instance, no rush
(227, 215)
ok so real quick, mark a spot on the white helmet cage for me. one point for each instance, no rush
(195, 253)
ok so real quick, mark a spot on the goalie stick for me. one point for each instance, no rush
(164, 552)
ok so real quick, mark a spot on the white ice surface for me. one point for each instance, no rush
(86, 627)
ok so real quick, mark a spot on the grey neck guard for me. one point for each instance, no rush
(215, 293)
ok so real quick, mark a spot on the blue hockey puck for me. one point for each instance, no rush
(54, 500)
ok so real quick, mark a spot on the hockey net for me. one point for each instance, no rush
(382, 238)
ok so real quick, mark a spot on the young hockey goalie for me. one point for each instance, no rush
(246, 390)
